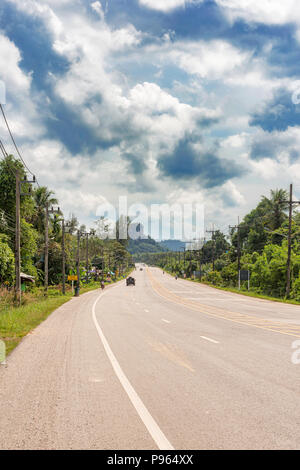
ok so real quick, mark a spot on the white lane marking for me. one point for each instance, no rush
(153, 428)
(209, 339)
(147, 311)
(166, 321)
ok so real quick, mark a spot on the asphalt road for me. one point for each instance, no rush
(165, 364)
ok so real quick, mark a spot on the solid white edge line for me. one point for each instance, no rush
(151, 425)
(209, 339)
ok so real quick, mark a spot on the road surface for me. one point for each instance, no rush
(165, 364)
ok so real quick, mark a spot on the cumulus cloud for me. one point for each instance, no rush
(11, 72)
(147, 110)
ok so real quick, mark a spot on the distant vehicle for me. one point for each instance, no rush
(130, 281)
(141, 269)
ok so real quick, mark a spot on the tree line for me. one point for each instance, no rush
(259, 244)
(106, 255)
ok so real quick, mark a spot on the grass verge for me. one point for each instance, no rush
(17, 322)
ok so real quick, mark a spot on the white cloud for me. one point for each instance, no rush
(149, 118)
(232, 194)
(166, 5)
(210, 59)
(18, 95)
(264, 11)
(98, 9)
(12, 75)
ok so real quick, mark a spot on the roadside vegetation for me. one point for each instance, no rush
(17, 322)
(100, 259)
(263, 251)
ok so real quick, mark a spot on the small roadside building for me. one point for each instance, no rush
(25, 280)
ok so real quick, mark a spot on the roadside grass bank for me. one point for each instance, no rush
(235, 290)
(17, 322)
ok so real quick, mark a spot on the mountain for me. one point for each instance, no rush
(147, 245)
(172, 245)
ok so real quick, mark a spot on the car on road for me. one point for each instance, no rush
(130, 281)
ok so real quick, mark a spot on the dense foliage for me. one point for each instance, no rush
(113, 253)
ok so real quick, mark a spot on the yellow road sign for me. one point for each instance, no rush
(72, 278)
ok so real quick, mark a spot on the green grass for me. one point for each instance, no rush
(17, 322)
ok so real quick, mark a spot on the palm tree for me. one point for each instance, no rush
(276, 206)
(43, 197)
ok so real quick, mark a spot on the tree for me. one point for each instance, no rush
(7, 262)
(8, 169)
(275, 206)
(43, 197)
(29, 238)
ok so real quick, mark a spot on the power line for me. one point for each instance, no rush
(5, 155)
(6, 227)
(7, 216)
(14, 142)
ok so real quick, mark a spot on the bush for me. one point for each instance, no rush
(295, 294)
(7, 262)
(214, 277)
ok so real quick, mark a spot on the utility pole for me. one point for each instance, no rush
(19, 193)
(213, 231)
(47, 212)
(87, 257)
(63, 258)
(18, 240)
(288, 267)
(46, 249)
(77, 290)
(238, 250)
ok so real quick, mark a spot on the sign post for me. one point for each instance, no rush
(244, 275)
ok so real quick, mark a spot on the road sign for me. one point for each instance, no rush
(244, 275)
(72, 278)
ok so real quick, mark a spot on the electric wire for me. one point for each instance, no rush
(14, 142)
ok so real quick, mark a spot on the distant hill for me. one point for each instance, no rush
(147, 245)
(173, 245)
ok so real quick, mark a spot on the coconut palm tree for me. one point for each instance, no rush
(275, 207)
(43, 197)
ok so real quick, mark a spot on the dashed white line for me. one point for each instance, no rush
(149, 422)
(166, 321)
(209, 339)
(147, 311)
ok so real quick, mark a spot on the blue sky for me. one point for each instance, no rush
(164, 101)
